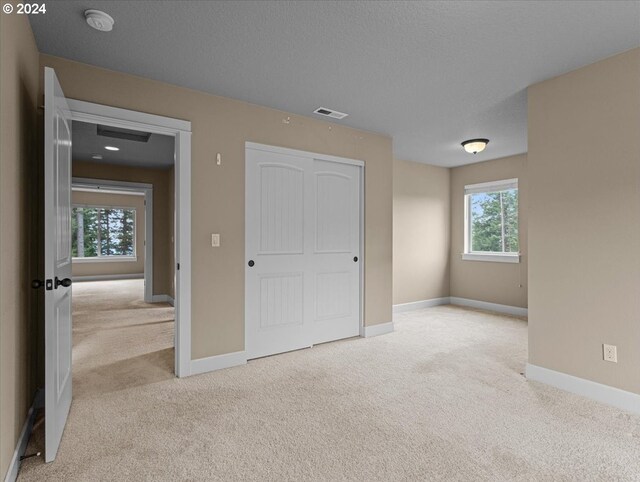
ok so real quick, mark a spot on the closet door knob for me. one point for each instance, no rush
(251, 263)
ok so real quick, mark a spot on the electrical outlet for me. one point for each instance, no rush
(215, 240)
(610, 353)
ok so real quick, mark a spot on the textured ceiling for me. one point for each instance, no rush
(158, 152)
(429, 74)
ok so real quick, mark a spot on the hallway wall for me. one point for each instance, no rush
(19, 333)
(162, 211)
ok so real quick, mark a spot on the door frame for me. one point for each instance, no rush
(180, 130)
(320, 157)
(124, 187)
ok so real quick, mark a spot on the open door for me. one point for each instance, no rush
(57, 261)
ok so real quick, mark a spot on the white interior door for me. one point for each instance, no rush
(57, 257)
(335, 263)
(277, 252)
(302, 249)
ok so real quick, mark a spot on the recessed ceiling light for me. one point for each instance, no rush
(99, 20)
(97, 156)
(111, 148)
(473, 146)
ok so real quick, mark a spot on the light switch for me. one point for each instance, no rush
(215, 240)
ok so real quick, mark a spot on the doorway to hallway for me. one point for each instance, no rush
(119, 340)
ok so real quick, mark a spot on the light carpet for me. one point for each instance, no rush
(441, 398)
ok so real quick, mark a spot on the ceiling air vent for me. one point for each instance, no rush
(334, 114)
(120, 133)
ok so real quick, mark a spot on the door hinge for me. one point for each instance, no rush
(178, 266)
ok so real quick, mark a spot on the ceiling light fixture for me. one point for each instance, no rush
(111, 148)
(473, 146)
(97, 156)
(99, 20)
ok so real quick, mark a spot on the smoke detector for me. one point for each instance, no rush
(99, 20)
(334, 114)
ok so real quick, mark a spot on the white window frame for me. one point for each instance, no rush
(486, 187)
(116, 258)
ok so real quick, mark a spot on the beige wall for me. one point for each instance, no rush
(18, 141)
(87, 268)
(222, 125)
(503, 283)
(420, 231)
(162, 192)
(584, 221)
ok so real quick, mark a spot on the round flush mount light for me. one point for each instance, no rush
(111, 148)
(96, 156)
(99, 20)
(473, 146)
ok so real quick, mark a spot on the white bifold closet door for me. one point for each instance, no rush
(302, 252)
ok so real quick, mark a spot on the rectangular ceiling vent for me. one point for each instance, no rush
(120, 133)
(334, 114)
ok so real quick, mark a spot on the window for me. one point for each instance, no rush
(491, 221)
(103, 233)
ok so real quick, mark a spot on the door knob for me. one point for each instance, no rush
(250, 263)
(66, 282)
(355, 259)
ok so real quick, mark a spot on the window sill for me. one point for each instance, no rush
(107, 259)
(492, 257)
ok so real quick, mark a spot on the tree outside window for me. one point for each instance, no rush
(103, 232)
(492, 218)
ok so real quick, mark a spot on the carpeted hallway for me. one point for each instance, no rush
(440, 398)
(119, 341)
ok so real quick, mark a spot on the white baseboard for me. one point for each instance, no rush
(108, 277)
(596, 391)
(485, 305)
(454, 300)
(162, 299)
(419, 305)
(218, 362)
(379, 329)
(23, 439)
